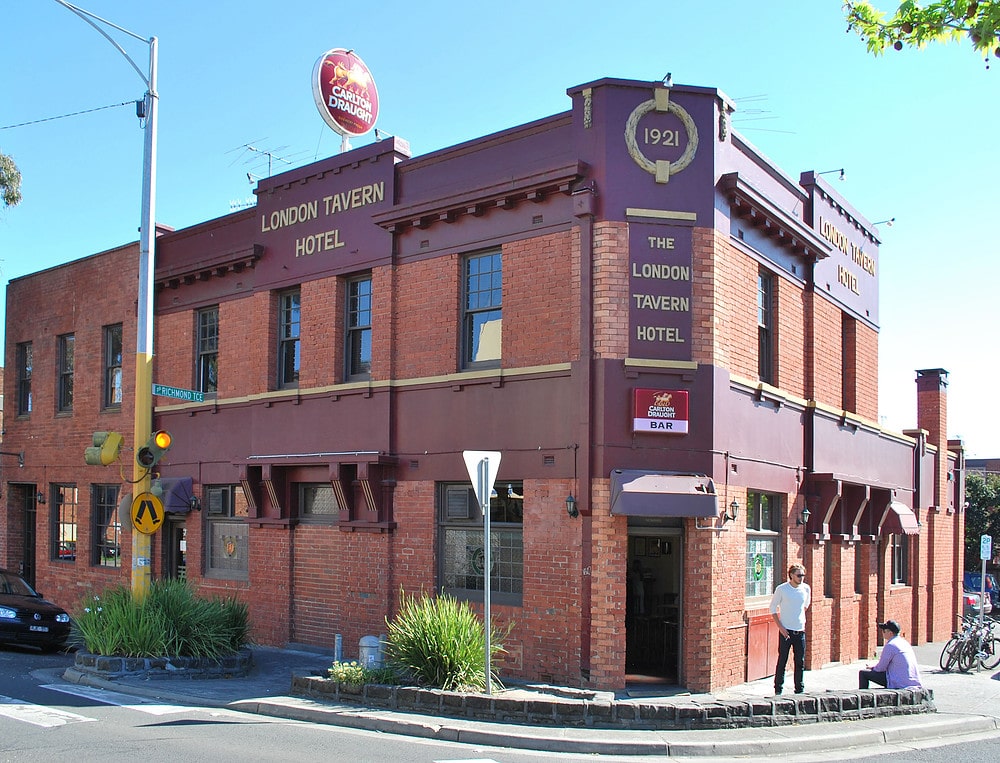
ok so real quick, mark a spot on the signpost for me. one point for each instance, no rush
(483, 466)
(147, 513)
(181, 394)
(985, 553)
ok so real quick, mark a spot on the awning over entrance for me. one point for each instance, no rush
(178, 493)
(662, 494)
(900, 520)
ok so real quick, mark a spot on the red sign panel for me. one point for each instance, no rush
(663, 411)
(345, 92)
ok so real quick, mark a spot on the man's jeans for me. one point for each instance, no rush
(874, 676)
(797, 642)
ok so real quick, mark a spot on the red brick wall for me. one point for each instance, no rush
(790, 339)
(545, 282)
(826, 353)
(57, 441)
(866, 371)
(611, 290)
(321, 337)
(427, 293)
(609, 539)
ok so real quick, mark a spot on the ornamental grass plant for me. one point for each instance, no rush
(169, 622)
(440, 642)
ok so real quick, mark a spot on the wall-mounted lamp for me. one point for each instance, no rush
(804, 519)
(830, 172)
(734, 511)
(40, 497)
(194, 503)
(888, 223)
(571, 508)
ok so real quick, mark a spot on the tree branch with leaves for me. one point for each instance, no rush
(917, 25)
(10, 181)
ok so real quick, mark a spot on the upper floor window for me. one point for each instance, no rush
(64, 395)
(765, 326)
(208, 350)
(359, 328)
(482, 309)
(763, 547)
(113, 366)
(289, 316)
(24, 362)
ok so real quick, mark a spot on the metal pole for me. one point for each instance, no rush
(142, 543)
(143, 413)
(484, 491)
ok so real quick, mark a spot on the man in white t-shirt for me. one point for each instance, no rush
(788, 608)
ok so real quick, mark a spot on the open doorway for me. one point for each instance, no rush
(653, 607)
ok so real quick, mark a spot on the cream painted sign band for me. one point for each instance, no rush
(660, 136)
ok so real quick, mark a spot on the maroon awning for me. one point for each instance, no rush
(642, 493)
(900, 520)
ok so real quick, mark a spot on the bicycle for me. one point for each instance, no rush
(956, 645)
(982, 649)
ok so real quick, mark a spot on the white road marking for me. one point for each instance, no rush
(116, 698)
(39, 715)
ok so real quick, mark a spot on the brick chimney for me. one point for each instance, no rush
(932, 416)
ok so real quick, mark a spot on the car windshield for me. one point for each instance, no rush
(12, 584)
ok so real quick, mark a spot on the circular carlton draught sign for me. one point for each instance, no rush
(345, 92)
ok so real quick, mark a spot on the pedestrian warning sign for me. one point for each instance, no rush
(147, 513)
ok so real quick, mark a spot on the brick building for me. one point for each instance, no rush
(627, 300)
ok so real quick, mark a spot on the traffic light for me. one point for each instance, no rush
(149, 455)
(105, 449)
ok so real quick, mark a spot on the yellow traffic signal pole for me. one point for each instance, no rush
(141, 542)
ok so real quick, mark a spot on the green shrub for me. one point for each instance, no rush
(440, 642)
(169, 621)
(356, 674)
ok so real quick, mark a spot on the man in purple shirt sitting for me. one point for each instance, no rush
(897, 666)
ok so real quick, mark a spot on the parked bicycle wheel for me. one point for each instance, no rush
(968, 655)
(991, 653)
(949, 655)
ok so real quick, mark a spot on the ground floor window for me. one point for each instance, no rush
(317, 501)
(106, 529)
(227, 534)
(763, 523)
(462, 560)
(64, 503)
(900, 546)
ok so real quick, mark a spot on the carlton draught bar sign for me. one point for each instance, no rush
(660, 410)
(345, 92)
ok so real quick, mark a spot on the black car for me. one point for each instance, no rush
(27, 618)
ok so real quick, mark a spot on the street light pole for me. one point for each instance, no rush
(143, 424)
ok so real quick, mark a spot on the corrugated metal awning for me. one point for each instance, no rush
(899, 520)
(643, 493)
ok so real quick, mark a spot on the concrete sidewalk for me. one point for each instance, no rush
(967, 704)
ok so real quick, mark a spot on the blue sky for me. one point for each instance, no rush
(914, 130)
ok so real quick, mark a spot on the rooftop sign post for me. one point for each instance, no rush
(345, 94)
(483, 466)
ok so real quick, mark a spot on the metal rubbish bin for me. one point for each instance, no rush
(370, 652)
